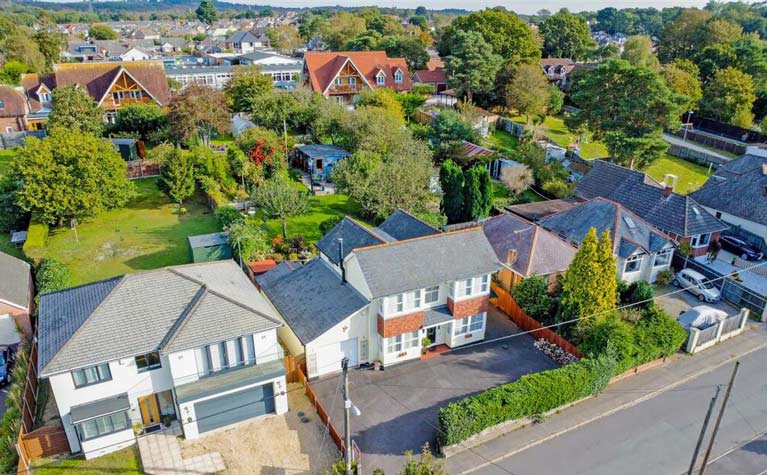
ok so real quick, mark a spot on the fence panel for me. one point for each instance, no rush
(731, 324)
(708, 334)
(712, 141)
(321, 412)
(696, 156)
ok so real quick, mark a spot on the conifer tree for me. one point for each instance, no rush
(451, 181)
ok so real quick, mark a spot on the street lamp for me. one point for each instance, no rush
(687, 126)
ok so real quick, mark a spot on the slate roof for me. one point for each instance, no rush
(247, 37)
(540, 209)
(354, 235)
(167, 309)
(629, 232)
(402, 225)
(539, 252)
(321, 150)
(738, 188)
(15, 279)
(677, 214)
(311, 298)
(401, 266)
(324, 66)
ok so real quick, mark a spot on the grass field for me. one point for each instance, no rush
(147, 234)
(555, 129)
(691, 175)
(121, 462)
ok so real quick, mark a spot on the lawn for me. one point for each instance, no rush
(555, 129)
(691, 175)
(121, 462)
(503, 142)
(147, 233)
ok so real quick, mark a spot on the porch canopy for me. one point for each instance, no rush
(99, 408)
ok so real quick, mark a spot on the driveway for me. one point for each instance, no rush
(682, 301)
(399, 405)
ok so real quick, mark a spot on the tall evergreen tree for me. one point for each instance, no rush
(177, 179)
(451, 181)
(206, 12)
(607, 277)
(477, 193)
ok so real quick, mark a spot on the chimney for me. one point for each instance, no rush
(670, 180)
(512, 256)
(667, 190)
(341, 260)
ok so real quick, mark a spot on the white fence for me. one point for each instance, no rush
(729, 327)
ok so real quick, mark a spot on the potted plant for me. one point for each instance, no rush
(425, 342)
(166, 420)
(138, 428)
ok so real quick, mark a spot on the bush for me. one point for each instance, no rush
(52, 275)
(664, 277)
(532, 295)
(11, 422)
(228, 215)
(557, 188)
(329, 224)
(249, 242)
(531, 394)
(639, 291)
(37, 236)
(664, 330)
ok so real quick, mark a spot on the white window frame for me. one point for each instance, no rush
(381, 78)
(399, 77)
(665, 253)
(46, 97)
(630, 261)
(135, 94)
(471, 324)
(484, 284)
(431, 295)
(339, 81)
(352, 81)
(466, 287)
(697, 241)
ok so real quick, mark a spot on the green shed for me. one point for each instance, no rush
(210, 247)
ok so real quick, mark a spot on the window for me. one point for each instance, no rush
(633, 264)
(432, 294)
(103, 425)
(135, 94)
(94, 374)
(400, 305)
(662, 258)
(398, 77)
(465, 287)
(700, 240)
(470, 324)
(396, 344)
(407, 301)
(381, 79)
(352, 81)
(484, 282)
(9, 130)
(46, 97)
(2, 105)
(339, 81)
(117, 96)
(148, 361)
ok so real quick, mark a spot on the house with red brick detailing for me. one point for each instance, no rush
(17, 292)
(374, 295)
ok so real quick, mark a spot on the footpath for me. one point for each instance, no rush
(630, 391)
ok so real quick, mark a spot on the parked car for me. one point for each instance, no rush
(740, 248)
(695, 283)
(701, 317)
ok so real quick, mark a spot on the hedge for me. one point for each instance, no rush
(37, 237)
(530, 395)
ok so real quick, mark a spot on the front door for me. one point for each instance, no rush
(431, 334)
(150, 410)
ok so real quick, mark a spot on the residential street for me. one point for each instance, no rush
(655, 436)
(674, 140)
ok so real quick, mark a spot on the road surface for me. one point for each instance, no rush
(675, 140)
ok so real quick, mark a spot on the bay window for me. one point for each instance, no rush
(662, 258)
(700, 240)
(470, 324)
(633, 264)
(407, 301)
(399, 343)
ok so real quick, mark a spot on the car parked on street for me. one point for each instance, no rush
(697, 284)
(740, 248)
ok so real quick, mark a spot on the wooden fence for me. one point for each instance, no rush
(506, 303)
(293, 366)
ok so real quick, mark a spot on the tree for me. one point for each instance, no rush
(228, 215)
(517, 178)
(532, 296)
(10, 214)
(638, 52)
(627, 107)
(52, 275)
(680, 37)
(581, 293)
(340, 27)
(451, 182)
(248, 241)
(177, 175)
(206, 12)
(280, 199)
(556, 100)
(477, 193)
(528, 91)
(248, 83)
(565, 36)
(729, 97)
(449, 126)
(70, 174)
(384, 99)
(471, 66)
(17, 47)
(508, 35)
(144, 120)
(50, 43)
(197, 112)
(408, 47)
(682, 79)
(102, 32)
(74, 109)
(410, 102)
(264, 151)
(284, 37)
(11, 72)
(606, 281)
(713, 58)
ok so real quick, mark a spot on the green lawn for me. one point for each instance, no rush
(122, 462)
(146, 234)
(503, 142)
(6, 156)
(691, 175)
(555, 129)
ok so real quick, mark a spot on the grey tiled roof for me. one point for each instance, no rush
(539, 252)
(540, 209)
(418, 263)
(437, 315)
(628, 231)
(403, 225)
(738, 188)
(354, 235)
(678, 214)
(167, 309)
(311, 298)
(321, 150)
(15, 278)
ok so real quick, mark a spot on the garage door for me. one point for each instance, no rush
(329, 356)
(232, 408)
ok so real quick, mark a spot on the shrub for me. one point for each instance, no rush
(664, 277)
(611, 332)
(557, 188)
(532, 296)
(52, 275)
(664, 330)
(531, 394)
(228, 215)
(37, 236)
(639, 291)
(249, 242)
(329, 224)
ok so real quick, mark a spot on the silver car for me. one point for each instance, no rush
(697, 284)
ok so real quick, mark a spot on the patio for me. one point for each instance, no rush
(754, 280)
(161, 455)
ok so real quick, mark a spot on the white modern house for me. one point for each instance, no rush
(373, 295)
(192, 345)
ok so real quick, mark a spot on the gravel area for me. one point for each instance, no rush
(273, 445)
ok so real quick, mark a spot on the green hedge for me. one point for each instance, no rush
(531, 394)
(37, 237)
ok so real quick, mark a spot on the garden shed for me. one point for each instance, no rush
(318, 159)
(210, 247)
(130, 149)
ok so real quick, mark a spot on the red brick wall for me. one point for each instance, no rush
(701, 251)
(466, 308)
(399, 325)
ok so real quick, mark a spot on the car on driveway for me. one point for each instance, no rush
(697, 284)
(740, 248)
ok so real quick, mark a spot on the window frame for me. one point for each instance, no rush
(666, 253)
(110, 417)
(484, 284)
(46, 97)
(339, 81)
(352, 81)
(431, 291)
(696, 241)
(98, 368)
(466, 287)
(399, 77)
(148, 367)
(470, 324)
(135, 94)
(380, 79)
(631, 260)
(2, 104)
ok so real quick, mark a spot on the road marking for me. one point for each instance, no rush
(613, 411)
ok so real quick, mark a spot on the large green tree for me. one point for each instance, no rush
(247, 85)
(682, 79)
(197, 112)
(177, 175)
(148, 121)
(477, 193)
(75, 109)
(70, 174)
(102, 32)
(279, 198)
(729, 97)
(206, 12)
(50, 43)
(408, 47)
(566, 36)
(638, 51)
(451, 182)
(680, 37)
(528, 91)
(472, 65)
(627, 107)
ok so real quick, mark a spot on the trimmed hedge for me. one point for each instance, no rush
(37, 237)
(530, 395)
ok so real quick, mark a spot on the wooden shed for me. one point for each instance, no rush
(210, 247)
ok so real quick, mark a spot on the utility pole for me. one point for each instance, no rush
(719, 419)
(703, 431)
(347, 418)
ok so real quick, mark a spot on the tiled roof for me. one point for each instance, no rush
(319, 150)
(675, 213)
(402, 225)
(353, 234)
(436, 76)
(738, 188)
(13, 102)
(323, 67)
(14, 281)
(311, 298)
(540, 209)
(97, 77)
(31, 83)
(168, 309)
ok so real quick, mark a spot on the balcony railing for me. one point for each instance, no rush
(345, 88)
(273, 355)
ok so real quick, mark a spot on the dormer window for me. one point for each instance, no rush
(381, 78)
(398, 77)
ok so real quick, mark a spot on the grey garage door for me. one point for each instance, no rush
(233, 408)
